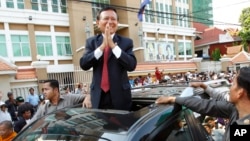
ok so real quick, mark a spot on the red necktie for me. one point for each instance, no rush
(105, 77)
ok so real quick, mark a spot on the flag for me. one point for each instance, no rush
(142, 7)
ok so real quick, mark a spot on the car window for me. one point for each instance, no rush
(180, 125)
(167, 126)
(180, 132)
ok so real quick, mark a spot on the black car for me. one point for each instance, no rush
(146, 122)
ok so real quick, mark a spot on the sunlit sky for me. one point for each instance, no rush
(228, 11)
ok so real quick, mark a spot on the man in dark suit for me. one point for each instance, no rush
(12, 106)
(26, 114)
(120, 59)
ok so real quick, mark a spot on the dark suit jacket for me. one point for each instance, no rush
(18, 125)
(118, 77)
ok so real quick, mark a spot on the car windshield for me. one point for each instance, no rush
(80, 123)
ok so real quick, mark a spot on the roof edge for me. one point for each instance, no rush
(2, 59)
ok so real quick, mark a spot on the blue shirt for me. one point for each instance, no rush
(33, 99)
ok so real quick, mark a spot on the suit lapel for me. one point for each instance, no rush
(116, 39)
(99, 40)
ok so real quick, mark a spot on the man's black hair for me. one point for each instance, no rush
(208, 119)
(243, 80)
(9, 94)
(106, 9)
(31, 89)
(23, 108)
(52, 83)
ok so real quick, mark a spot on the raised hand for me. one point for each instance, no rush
(165, 100)
(108, 37)
(87, 102)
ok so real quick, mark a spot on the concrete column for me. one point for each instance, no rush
(41, 72)
(225, 62)
(197, 61)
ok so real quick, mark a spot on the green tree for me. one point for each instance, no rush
(245, 24)
(216, 54)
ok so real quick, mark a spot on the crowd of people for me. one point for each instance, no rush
(16, 109)
(80, 88)
(16, 113)
(162, 76)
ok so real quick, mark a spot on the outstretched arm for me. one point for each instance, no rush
(215, 94)
(203, 106)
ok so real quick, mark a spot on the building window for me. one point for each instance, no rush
(44, 45)
(188, 48)
(181, 48)
(63, 6)
(161, 17)
(180, 16)
(186, 18)
(58, 5)
(20, 4)
(185, 48)
(20, 45)
(55, 6)
(63, 45)
(9, 3)
(34, 5)
(159, 14)
(44, 5)
(149, 15)
(3, 48)
(97, 6)
(168, 16)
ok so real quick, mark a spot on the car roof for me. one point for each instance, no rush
(175, 89)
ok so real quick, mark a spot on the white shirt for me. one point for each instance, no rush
(28, 121)
(5, 116)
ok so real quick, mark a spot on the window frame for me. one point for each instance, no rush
(45, 53)
(63, 46)
(21, 45)
(12, 3)
(5, 44)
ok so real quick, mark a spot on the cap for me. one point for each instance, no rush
(65, 88)
(41, 97)
(2, 103)
(19, 99)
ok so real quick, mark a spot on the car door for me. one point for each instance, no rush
(181, 125)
